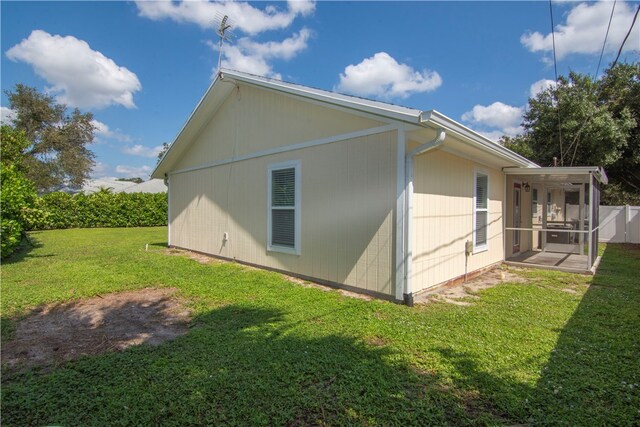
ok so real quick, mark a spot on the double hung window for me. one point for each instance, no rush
(480, 211)
(284, 207)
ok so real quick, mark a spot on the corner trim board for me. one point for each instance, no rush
(168, 210)
(400, 214)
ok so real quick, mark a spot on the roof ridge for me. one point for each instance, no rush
(333, 92)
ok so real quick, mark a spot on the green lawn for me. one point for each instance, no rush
(560, 349)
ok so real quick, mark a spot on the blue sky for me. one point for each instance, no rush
(141, 67)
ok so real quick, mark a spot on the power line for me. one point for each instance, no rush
(575, 140)
(626, 37)
(605, 39)
(574, 144)
(555, 68)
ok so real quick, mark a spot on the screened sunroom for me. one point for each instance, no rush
(551, 217)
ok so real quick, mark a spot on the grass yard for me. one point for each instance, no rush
(260, 350)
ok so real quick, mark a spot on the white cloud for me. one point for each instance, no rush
(585, 28)
(7, 115)
(286, 49)
(80, 76)
(244, 54)
(133, 171)
(495, 115)
(252, 57)
(504, 118)
(541, 86)
(382, 76)
(100, 170)
(143, 151)
(242, 15)
(103, 130)
(499, 119)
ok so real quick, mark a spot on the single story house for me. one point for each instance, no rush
(116, 185)
(365, 195)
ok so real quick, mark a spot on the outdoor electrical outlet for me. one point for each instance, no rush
(468, 247)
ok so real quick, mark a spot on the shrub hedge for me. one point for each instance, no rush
(103, 209)
(20, 208)
(23, 210)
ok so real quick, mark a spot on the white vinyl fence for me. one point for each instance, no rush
(620, 224)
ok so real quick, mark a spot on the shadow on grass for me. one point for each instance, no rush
(238, 365)
(25, 250)
(159, 244)
(244, 365)
(593, 374)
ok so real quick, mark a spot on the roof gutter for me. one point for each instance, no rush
(408, 211)
(469, 136)
(597, 171)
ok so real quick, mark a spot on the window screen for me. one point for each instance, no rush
(283, 208)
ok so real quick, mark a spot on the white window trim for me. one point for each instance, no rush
(297, 214)
(485, 247)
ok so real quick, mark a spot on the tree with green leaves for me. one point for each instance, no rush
(163, 151)
(20, 205)
(57, 154)
(582, 122)
(136, 180)
(621, 92)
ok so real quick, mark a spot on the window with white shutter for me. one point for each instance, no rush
(283, 232)
(480, 212)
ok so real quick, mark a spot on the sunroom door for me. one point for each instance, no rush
(517, 222)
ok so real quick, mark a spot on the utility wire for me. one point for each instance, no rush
(576, 140)
(574, 144)
(605, 39)
(626, 37)
(555, 68)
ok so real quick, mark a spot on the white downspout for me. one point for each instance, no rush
(439, 139)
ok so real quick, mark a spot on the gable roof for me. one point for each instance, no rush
(151, 186)
(218, 92)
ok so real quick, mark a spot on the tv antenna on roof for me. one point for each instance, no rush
(224, 32)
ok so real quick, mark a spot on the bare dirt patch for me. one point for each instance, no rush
(56, 333)
(326, 288)
(462, 293)
(376, 341)
(208, 259)
(201, 258)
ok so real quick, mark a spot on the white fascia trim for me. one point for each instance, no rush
(471, 136)
(399, 113)
(469, 157)
(292, 147)
(297, 211)
(598, 172)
